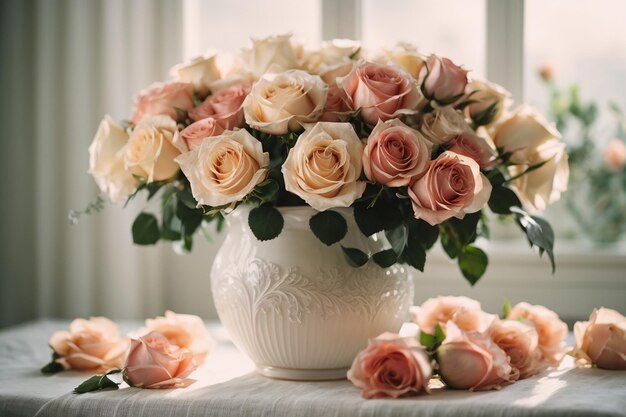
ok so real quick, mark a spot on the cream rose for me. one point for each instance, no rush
(150, 150)
(465, 312)
(602, 339)
(407, 56)
(395, 153)
(225, 106)
(485, 96)
(201, 72)
(614, 154)
(544, 185)
(475, 147)
(550, 329)
(225, 168)
(281, 102)
(324, 166)
(106, 162)
(331, 54)
(90, 345)
(391, 366)
(153, 362)
(442, 124)
(167, 99)
(521, 344)
(192, 136)
(381, 92)
(451, 186)
(333, 75)
(271, 54)
(472, 361)
(443, 81)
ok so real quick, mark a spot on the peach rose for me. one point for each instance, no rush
(442, 124)
(614, 154)
(544, 185)
(550, 329)
(90, 345)
(281, 102)
(471, 360)
(451, 186)
(381, 92)
(201, 72)
(271, 54)
(153, 362)
(106, 162)
(391, 366)
(332, 75)
(150, 150)
(337, 107)
(520, 342)
(225, 106)
(395, 153)
(407, 56)
(443, 81)
(475, 147)
(602, 339)
(331, 54)
(192, 136)
(167, 99)
(225, 168)
(324, 166)
(485, 96)
(465, 312)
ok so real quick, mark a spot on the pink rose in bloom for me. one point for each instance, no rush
(614, 154)
(475, 147)
(382, 92)
(465, 312)
(337, 108)
(395, 153)
(550, 329)
(602, 339)
(443, 80)
(90, 345)
(225, 106)
(153, 362)
(451, 186)
(391, 367)
(471, 360)
(163, 99)
(442, 124)
(192, 136)
(521, 344)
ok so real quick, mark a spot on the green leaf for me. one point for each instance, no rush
(422, 233)
(53, 367)
(266, 222)
(397, 238)
(465, 229)
(355, 257)
(383, 215)
(473, 263)
(415, 255)
(486, 116)
(328, 226)
(538, 232)
(187, 198)
(145, 229)
(267, 191)
(502, 199)
(440, 335)
(190, 218)
(506, 308)
(96, 383)
(449, 245)
(427, 340)
(385, 258)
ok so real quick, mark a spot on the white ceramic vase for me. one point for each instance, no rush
(294, 305)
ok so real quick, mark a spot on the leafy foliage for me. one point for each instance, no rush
(355, 257)
(266, 222)
(328, 226)
(98, 382)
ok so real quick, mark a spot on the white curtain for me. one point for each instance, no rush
(64, 65)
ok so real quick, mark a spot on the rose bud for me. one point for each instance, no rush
(521, 344)
(443, 81)
(614, 154)
(166, 99)
(464, 311)
(192, 136)
(602, 339)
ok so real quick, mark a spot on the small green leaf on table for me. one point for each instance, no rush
(266, 222)
(97, 383)
(328, 226)
(355, 257)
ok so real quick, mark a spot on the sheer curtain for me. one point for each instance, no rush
(65, 64)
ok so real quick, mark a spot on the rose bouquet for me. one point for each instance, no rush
(418, 151)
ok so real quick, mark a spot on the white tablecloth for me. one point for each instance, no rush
(227, 386)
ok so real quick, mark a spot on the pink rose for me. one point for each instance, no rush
(614, 154)
(225, 106)
(337, 108)
(166, 99)
(443, 81)
(475, 147)
(550, 329)
(90, 345)
(465, 312)
(451, 186)
(391, 367)
(470, 360)
(395, 153)
(602, 339)
(520, 342)
(442, 124)
(382, 92)
(192, 136)
(152, 362)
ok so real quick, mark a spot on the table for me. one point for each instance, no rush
(227, 386)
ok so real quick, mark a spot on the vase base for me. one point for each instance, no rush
(302, 374)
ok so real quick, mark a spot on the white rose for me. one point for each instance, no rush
(522, 132)
(200, 71)
(280, 102)
(106, 162)
(545, 184)
(331, 54)
(407, 56)
(442, 124)
(225, 168)
(324, 166)
(487, 94)
(274, 53)
(150, 150)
